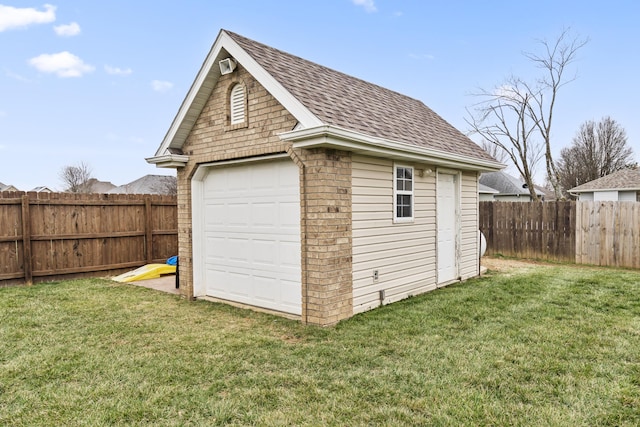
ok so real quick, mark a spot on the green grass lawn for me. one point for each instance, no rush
(556, 345)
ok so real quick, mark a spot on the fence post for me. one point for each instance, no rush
(26, 241)
(148, 229)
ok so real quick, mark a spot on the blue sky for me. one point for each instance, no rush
(100, 82)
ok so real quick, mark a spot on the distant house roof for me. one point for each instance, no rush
(506, 184)
(148, 184)
(624, 179)
(42, 189)
(485, 189)
(7, 187)
(330, 103)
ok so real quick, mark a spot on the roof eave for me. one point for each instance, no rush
(170, 161)
(342, 139)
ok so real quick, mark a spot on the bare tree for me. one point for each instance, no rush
(514, 114)
(554, 60)
(495, 151)
(598, 149)
(168, 185)
(76, 178)
(501, 118)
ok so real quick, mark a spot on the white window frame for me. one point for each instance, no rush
(403, 192)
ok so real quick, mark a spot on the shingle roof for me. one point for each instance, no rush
(505, 183)
(624, 179)
(148, 184)
(344, 101)
(7, 187)
(486, 189)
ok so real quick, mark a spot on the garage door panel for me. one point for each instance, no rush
(215, 250)
(265, 215)
(289, 214)
(238, 214)
(264, 252)
(252, 235)
(289, 254)
(214, 214)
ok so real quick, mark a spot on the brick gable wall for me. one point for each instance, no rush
(325, 188)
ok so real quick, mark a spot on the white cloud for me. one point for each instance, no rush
(368, 5)
(68, 30)
(117, 71)
(161, 86)
(14, 17)
(63, 64)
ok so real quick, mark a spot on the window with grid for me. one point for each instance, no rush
(237, 104)
(403, 193)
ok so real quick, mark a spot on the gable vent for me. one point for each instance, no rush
(237, 104)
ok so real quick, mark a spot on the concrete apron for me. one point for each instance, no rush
(163, 284)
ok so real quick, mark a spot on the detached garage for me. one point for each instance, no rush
(313, 194)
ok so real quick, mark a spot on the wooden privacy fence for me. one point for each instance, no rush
(45, 236)
(530, 230)
(597, 233)
(608, 233)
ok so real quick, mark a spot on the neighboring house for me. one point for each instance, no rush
(7, 187)
(623, 186)
(509, 188)
(486, 193)
(311, 193)
(148, 184)
(42, 189)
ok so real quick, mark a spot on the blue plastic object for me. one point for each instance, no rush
(173, 260)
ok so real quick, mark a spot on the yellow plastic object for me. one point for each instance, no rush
(149, 271)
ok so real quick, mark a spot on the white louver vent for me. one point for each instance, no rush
(237, 104)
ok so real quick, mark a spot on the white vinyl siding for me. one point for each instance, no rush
(237, 104)
(402, 253)
(627, 196)
(469, 245)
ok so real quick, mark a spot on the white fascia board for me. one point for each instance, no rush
(168, 161)
(343, 139)
(206, 80)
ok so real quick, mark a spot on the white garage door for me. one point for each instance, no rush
(252, 235)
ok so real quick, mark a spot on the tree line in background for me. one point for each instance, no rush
(515, 120)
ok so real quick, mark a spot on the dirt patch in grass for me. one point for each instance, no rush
(506, 265)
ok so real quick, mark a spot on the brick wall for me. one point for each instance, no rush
(325, 188)
(326, 223)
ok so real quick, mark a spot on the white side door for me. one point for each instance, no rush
(447, 216)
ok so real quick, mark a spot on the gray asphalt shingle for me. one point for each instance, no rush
(348, 102)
